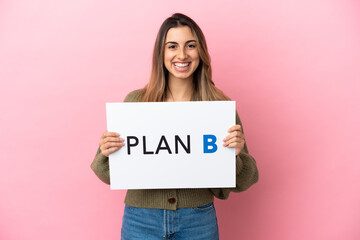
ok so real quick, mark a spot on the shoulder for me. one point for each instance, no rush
(134, 96)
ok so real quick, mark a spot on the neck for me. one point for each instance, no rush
(180, 90)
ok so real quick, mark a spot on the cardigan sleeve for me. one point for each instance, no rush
(246, 172)
(100, 164)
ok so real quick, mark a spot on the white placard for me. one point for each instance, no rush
(165, 146)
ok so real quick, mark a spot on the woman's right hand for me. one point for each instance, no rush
(110, 142)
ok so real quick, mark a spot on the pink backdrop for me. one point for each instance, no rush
(292, 66)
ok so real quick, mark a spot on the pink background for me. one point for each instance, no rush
(292, 66)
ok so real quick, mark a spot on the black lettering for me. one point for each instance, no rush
(178, 140)
(144, 147)
(131, 144)
(163, 139)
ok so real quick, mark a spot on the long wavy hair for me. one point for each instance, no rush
(203, 87)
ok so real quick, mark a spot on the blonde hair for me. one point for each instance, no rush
(203, 87)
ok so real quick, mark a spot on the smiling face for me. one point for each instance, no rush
(181, 56)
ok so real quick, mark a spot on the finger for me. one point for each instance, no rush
(110, 134)
(110, 145)
(235, 128)
(107, 134)
(110, 150)
(112, 139)
(113, 144)
(236, 145)
(232, 140)
(233, 134)
(105, 146)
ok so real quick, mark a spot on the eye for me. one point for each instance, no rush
(191, 46)
(172, 46)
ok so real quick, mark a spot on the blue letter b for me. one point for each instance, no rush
(209, 141)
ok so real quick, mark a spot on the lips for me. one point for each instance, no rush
(181, 67)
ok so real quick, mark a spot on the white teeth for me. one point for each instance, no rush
(182, 64)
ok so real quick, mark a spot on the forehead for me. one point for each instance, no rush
(179, 34)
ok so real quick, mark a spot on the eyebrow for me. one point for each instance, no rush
(177, 43)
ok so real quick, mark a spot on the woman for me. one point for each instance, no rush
(181, 71)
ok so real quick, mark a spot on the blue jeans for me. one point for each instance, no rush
(198, 223)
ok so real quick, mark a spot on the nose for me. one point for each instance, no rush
(182, 54)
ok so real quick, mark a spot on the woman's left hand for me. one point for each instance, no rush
(235, 139)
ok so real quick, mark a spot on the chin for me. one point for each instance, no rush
(183, 77)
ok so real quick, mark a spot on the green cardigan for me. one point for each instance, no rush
(246, 175)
